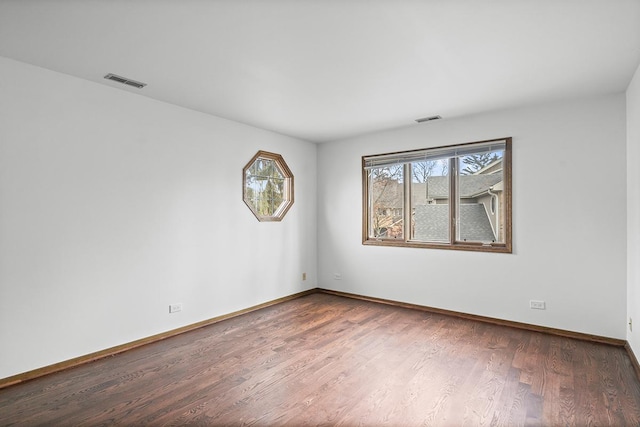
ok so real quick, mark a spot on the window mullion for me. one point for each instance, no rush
(453, 200)
(408, 228)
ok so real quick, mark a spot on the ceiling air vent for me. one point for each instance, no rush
(428, 119)
(125, 81)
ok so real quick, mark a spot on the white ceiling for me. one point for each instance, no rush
(327, 69)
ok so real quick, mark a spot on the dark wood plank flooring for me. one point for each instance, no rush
(328, 360)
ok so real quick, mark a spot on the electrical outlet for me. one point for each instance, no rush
(630, 324)
(174, 308)
(537, 305)
(304, 276)
(337, 276)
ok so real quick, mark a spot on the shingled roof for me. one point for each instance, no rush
(470, 185)
(431, 223)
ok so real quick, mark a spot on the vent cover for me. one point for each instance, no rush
(125, 81)
(428, 119)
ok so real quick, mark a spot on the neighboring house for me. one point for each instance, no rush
(481, 200)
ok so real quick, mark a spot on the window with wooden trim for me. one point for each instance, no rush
(450, 197)
(267, 185)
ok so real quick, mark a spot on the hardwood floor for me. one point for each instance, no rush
(329, 360)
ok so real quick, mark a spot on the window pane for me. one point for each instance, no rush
(480, 201)
(430, 200)
(265, 186)
(386, 201)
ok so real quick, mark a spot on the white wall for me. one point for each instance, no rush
(569, 221)
(633, 211)
(113, 206)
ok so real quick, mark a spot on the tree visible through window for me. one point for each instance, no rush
(387, 216)
(456, 197)
(268, 186)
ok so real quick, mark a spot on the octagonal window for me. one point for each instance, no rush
(268, 186)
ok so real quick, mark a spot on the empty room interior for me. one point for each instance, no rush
(320, 212)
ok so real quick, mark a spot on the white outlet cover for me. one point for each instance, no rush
(538, 305)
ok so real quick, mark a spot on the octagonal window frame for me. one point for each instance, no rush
(287, 192)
